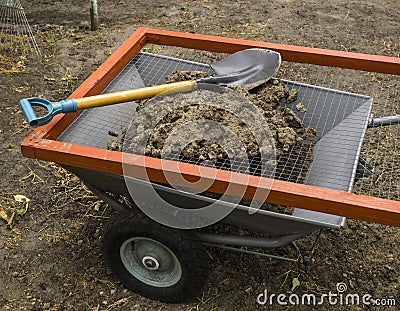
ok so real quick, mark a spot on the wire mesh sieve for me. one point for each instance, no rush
(334, 108)
(379, 169)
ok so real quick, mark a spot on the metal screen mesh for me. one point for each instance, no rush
(334, 108)
(92, 127)
(378, 171)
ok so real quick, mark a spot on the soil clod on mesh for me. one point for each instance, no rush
(291, 141)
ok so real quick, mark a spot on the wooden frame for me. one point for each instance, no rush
(41, 143)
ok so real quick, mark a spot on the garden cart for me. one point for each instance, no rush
(354, 151)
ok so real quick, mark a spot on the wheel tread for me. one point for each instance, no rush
(186, 243)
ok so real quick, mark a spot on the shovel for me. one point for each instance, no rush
(246, 67)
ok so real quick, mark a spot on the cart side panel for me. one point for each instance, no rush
(264, 221)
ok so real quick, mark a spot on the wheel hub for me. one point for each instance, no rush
(150, 262)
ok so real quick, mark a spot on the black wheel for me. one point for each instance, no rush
(153, 260)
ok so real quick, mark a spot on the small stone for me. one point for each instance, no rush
(275, 81)
(113, 144)
(112, 133)
(301, 108)
(211, 155)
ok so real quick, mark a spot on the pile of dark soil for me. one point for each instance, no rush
(289, 137)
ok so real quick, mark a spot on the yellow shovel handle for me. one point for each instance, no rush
(136, 94)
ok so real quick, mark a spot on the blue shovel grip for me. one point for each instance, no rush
(53, 108)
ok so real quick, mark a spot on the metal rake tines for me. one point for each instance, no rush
(16, 35)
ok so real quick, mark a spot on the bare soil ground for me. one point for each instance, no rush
(51, 259)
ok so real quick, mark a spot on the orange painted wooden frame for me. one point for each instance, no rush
(41, 143)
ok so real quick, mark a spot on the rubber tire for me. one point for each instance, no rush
(185, 245)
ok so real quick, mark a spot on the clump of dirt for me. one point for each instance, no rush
(200, 131)
(185, 76)
(290, 143)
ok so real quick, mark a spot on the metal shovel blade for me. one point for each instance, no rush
(246, 67)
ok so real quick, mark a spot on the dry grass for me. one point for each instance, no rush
(8, 65)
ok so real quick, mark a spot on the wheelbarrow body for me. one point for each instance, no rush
(284, 228)
(135, 246)
(328, 170)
